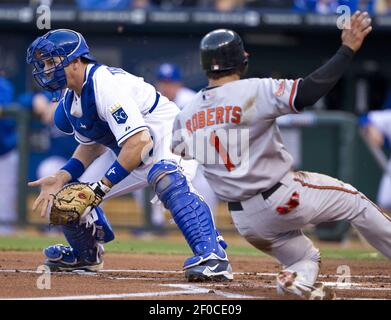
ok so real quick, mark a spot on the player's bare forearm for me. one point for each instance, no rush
(86, 154)
(52, 184)
(374, 135)
(133, 151)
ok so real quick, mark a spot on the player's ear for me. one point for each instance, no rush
(76, 64)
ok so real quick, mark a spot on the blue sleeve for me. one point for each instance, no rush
(6, 91)
(352, 4)
(61, 120)
(363, 120)
(26, 100)
(304, 6)
(387, 143)
(103, 5)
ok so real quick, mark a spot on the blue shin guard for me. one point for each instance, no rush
(190, 212)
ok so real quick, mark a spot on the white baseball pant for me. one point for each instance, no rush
(320, 198)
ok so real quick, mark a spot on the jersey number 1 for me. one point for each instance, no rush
(215, 142)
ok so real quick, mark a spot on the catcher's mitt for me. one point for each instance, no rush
(74, 200)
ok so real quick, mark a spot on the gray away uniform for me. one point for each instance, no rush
(269, 203)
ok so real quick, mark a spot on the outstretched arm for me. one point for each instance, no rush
(86, 154)
(322, 80)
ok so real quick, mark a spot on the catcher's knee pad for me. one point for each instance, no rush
(189, 210)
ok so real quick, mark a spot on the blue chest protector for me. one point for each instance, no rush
(89, 124)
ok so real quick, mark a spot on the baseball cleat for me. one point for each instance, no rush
(288, 285)
(63, 258)
(286, 278)
(210, 270)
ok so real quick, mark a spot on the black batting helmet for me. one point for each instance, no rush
(222, 50)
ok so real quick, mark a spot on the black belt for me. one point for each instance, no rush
(237, 206)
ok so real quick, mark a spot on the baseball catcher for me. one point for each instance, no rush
(124, 127)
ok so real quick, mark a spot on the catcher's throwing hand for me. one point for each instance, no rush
(360, 27)
(75, 200)
(49, 186)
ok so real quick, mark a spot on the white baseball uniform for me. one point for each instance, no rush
(126, 111)
(382, 121)
(232, 131)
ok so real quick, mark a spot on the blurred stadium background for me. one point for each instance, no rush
(285, 39)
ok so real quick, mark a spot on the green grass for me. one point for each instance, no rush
(169, 246)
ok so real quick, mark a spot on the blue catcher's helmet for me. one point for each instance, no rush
(63, 43)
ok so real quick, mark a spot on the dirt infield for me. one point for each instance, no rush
(159, 277)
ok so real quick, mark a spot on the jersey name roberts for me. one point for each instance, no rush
(212, 116)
